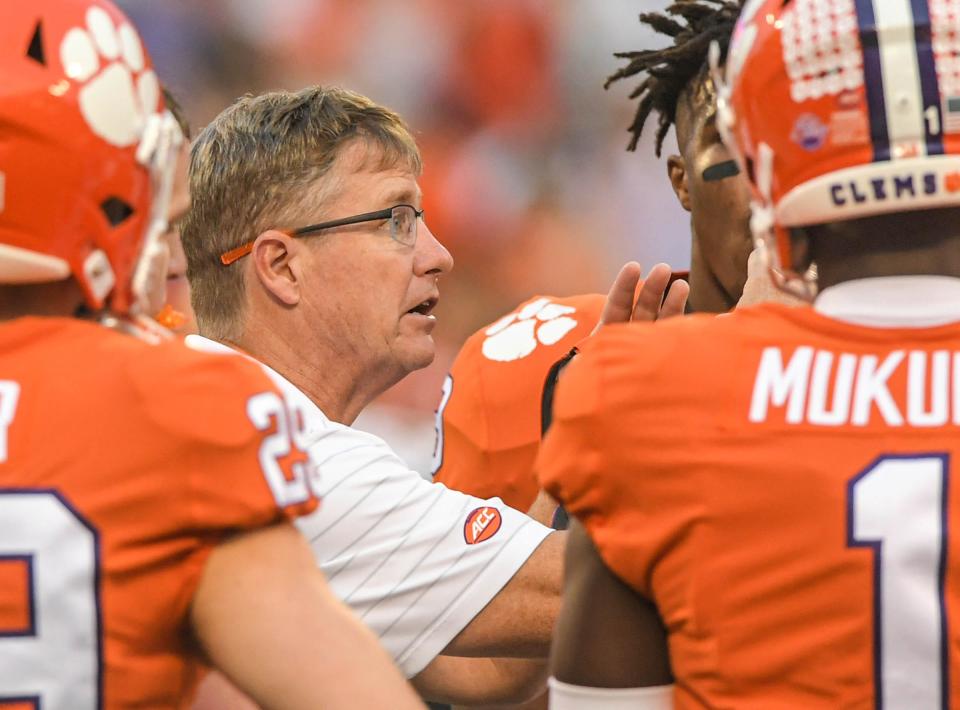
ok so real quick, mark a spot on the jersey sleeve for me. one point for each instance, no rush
(414, 560)
(232, 438)
(607, 456)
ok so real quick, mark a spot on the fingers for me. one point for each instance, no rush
(675, 303)
(631, 298)
(619, 304)
(647, 307)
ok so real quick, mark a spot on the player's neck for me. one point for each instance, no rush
(57, 299)
(876, 247)
(706, 293)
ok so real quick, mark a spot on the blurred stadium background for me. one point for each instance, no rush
(526, 181)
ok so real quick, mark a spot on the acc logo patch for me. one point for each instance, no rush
(482, 524)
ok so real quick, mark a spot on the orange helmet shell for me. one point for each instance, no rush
(77, 91)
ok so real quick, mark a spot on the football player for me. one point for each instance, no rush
(145, 489)
(678, 88)
(492, 406)
(496, 401)
(777, 482)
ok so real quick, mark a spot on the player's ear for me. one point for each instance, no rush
(273, 257)
(677, 172)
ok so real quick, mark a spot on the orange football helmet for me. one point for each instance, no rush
(86, 153)
(841, 109)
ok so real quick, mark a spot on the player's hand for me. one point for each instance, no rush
(634, 299)
(760, 287)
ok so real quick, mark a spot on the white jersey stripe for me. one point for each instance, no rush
(345, 512)
(903, 93)
(400, 583)
(452, 601)
(495, 574)
(358, 535)
(387, 557)
(442, 536)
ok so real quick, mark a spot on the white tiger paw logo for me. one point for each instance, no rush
(515, 336)
(117, 92)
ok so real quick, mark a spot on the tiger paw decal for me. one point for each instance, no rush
(117, 91)
(517, 335)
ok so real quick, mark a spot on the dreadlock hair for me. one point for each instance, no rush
(693, 24)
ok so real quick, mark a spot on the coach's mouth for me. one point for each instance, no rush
(425, 308)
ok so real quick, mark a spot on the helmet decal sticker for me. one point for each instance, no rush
(116, 94)
(515, 336)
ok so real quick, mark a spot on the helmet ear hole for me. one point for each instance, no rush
(116, 211)
(35, 50)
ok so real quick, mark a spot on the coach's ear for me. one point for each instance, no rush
(274, 258)
(677, 172)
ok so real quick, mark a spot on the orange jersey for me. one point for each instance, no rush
(121, 466)
(488, 422)
(778, 483)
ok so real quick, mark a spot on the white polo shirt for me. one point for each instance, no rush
(414, 560)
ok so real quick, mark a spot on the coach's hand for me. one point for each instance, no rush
(634, 299)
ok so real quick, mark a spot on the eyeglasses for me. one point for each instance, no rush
(403, 228)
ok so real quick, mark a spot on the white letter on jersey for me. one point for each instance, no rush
(264, 410)
(774, 385)
(9, 395)
(57, 657)
(917, 389)
(817, 412)
(872, 389)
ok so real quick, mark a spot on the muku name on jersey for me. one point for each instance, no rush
(899, 388)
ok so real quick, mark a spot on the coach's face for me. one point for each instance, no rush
(371, 295)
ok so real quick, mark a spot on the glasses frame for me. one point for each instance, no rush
(228, 257)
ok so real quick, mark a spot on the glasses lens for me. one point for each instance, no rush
(403, 225)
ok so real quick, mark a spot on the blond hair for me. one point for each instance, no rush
(250, 170)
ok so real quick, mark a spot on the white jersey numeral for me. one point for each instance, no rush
(9, 395)
(53, 659)
(897, 507)
(267, 410)
(445, 393)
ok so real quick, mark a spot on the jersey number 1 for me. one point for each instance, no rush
(897, 507)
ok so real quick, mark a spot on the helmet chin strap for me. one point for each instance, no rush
(766, 233)
(158, 151)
